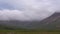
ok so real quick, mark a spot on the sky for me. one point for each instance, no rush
(27, 10)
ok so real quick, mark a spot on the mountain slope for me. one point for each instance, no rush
(52, 22)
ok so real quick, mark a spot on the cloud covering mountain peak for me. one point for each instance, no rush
(28, 9)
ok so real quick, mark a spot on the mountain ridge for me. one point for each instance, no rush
(48, 23)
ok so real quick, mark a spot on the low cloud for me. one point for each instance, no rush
(28, 9)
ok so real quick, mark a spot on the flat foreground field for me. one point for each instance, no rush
(29, 32)
(26, 32)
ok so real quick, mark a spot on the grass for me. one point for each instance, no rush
(20, 32)
(29, 32)
(11, 30)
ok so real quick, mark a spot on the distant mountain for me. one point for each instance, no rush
(52, 22)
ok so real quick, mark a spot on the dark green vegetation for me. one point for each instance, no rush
(29, 32)
(12, 28)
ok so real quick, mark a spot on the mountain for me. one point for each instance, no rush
(52, 22)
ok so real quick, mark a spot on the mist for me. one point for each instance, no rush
(28, 10)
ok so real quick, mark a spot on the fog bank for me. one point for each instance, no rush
(25, 10)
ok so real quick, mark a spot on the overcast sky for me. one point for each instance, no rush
(28, 9)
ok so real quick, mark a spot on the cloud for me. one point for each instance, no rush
(21, 15)
(28, 9)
